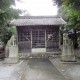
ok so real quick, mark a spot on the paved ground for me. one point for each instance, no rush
(41, 69)
(11, 71)
(70, 70)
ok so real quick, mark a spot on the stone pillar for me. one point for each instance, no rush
(67, 49)
(13, 52)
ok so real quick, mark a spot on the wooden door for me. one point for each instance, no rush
(24, 41)
(52, 39)
(38, 39)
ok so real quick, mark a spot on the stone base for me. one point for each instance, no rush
(68, 58)
(39, 55)
(11, 60)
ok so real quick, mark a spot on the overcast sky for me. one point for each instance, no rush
(38, 7)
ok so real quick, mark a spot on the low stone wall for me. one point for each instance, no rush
(40, 55)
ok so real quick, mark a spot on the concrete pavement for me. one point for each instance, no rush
(70, 70)
(12, 71)
(41, 69)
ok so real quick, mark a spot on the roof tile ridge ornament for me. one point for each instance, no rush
(63, 20)
(12, 21)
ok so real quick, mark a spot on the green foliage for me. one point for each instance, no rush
(7, 13)
(6, 3)
(58, 2)
(70, 11)
(13, 30)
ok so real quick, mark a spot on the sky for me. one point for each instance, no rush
(37, 7)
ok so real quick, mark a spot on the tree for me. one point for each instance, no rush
(7, 13)
(70, 11)
(58, 2)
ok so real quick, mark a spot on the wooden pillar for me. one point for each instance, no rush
(17, 42)
(31, 41)
(59, 39)
(45, 40)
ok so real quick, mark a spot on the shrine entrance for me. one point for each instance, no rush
(38, 34)
(38, 41)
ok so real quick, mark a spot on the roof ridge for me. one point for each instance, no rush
(38, 17)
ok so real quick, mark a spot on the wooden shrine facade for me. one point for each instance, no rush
(38, 34)
(38, 38)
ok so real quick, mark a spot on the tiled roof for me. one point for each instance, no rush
(38, 20)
